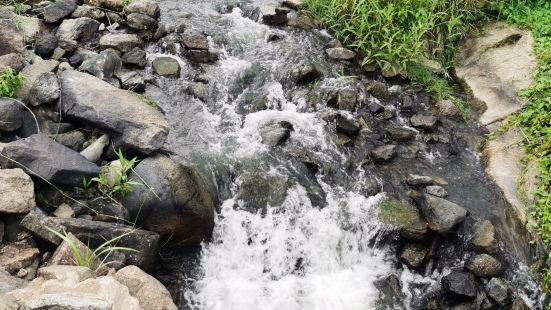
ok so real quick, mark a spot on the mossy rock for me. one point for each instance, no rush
(404, 217)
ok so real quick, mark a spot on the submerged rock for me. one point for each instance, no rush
(173, 200)
(459, 285)
(499, 291)
(484, 265)
(484, 237)
(276, 134)
(442, 215)
(413, 254)
(404, 217)
(16, 192)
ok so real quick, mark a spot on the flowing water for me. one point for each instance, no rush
(297, 225)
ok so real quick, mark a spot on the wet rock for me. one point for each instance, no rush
(147, 7)
(44, 90)
(425, 122)
(344, 99)
(459, 285)
(94, 233)
(442, 215)
(33, 72)
(484, 265)
(276, 134)
(59, 10)
(9, 283)
(134, 81)
(413, 254)
(16, 192)
(88, 11)
(307, 73)
(340, 53)
(519, 304)
(378, 89)
(436, 190)
(140, 21)
(166, 66)
(384, 153)
(346, 126)
(181, 204)
(485, 238)
(151, 294)
(43, 157)
(136, 57)
(271, 15)
(499, 291)
(405, 218)
(73, 140)
(201, 56)
(17, 255)
(447, 108)
(418, 180)
(133, 123)
(45, 44)
(74, 32)
(399, 133)
(192, 39)
(11, 37)
(123, 42)
(11, 117)
(392, 296)
(103, 66)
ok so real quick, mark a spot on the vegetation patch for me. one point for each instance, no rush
(10, 82)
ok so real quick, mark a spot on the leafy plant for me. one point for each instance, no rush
(113, 180)
(10, 82)
(94, 260)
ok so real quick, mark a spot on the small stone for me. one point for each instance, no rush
(95, 149)
(378, 89)
(89, 11)
(195, 40)
(391, 296)
(436, 190)
(166, 66)
(17, 255)
(22, 273)
(64, 211)
(484, 265)
(485, 237)
(147, 7)
(346, 126)
(58, 53)
(498, 290)
(405, 217)
(426, 122)
(44, 90)
(103, 66)
(442, 215)
(413, 254)
(418, 180)
(307, 73)
(59, 10)
(459, 285)
(73, 140)
(384, 153)
(340, 53)
(74, 32)
(133, 80)
(344, 99)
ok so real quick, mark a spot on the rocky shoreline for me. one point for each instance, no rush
(86, 69)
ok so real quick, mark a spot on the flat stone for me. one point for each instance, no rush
(42, 157)
(484, 265)
(16, 192)
(123, 42)
(418, 180)
(340, 53)
(166, 66)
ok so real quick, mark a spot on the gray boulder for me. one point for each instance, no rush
(41, 156)
(484, 265)
(16, 192)
(103, 66)
(74, 32)
(134, 124)
(58, 10)
(459, 285)
(442, 215)
(141, 21)
(174, 201)
(95, 233)
(11, 117)
(44, 90)
(46, 43)
(123, 42)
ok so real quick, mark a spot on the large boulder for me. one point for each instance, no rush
(442, 215)
(11, 117)
(74, 32)
(42, 157)
(95, 233)
(134, 124)
(11, 37)
(151, 294)
(174, 200)
(16, 191)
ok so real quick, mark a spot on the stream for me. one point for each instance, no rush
(297, 224)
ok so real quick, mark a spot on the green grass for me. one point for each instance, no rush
(10, 82)
(534, 120)
(120, 184)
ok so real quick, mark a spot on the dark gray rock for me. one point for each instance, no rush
(484, 238)
(391, 296)
(59, 10)
(13, 61)
(74, 32)
(201, 56)
(413, 254)
(45, 44)
(442, 215)
(44, 90)
(11, 117)
(399, 133)
(426, 122)
(384, 153)
(11, 37)
(276, 134)
(192, 39)
(499, 291)
(133, 80)
(166, 66)
(271, 15)
(73, 140)
(436, 190)
(136, 57)
(459, 285)
(88, 11)
(103, 66)
(340, 53)
(96, 233)
(132, 122)
(344, 99)
(176, 202)
(43, 157)
(418, 180)
(123, 42)
(346, 126)
(484, 265)
(307, 73)
(147, 7)
(80, 55)
(141, 21)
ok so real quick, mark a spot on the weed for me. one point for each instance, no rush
(10, 82)
(150, 102)
(113, 180)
